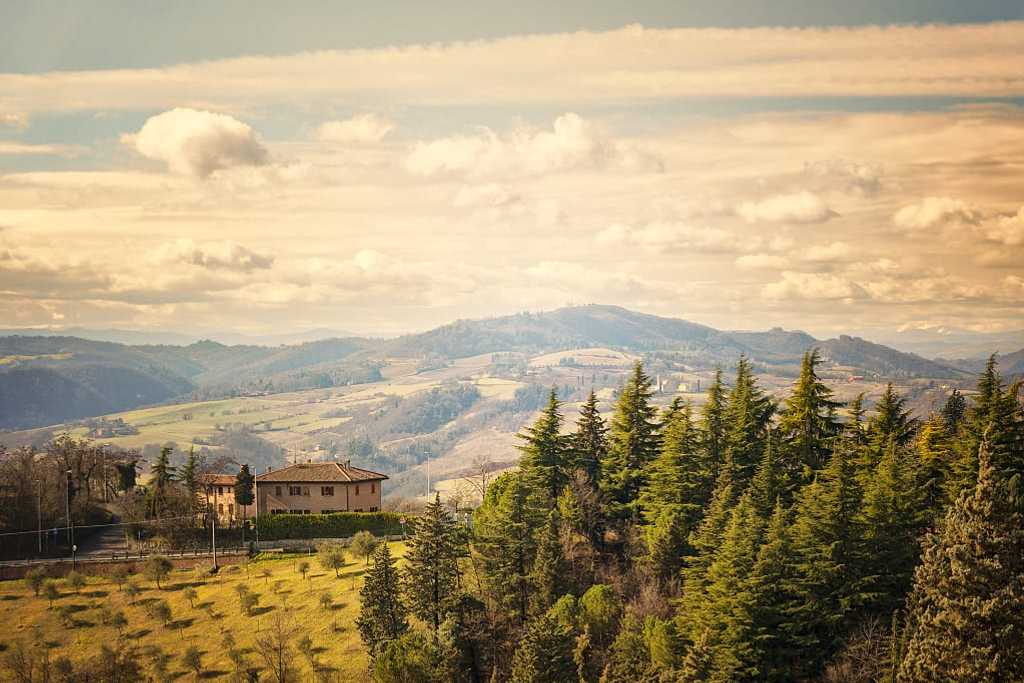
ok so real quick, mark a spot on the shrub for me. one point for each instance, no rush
(335, 525)
(331, 556)
(157, 568)
(75, 581)
(35, 578)
(363, 544)
(51, 592)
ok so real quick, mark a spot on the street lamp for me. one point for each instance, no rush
(39, 513)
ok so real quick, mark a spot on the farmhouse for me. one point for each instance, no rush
(319, 487)
(219, 490)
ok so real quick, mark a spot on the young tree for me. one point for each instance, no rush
(382, 615)
(633, 443)
(191, 595)
(160, 483)
(303, 568)
(431, 574)
(807, 423)
(331, 556)
(50, 592)
(120, 575)
(75, 581)
(156, 568)
(245, 484)
(544, 464)
(274, 646)
(966, 621)
(193, 659)
(35, 578)
(545, 653)
(589, 444)
(363, 544)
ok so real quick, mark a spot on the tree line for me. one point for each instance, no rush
(749, 540)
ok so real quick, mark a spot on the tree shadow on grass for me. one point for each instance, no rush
(10, 598)
(142, 602)
(75, 607)
(263, 610)
(138, 635)
(181, 623)
(214, 673)
(95, 594)
(204, 604)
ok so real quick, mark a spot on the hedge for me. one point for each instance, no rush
(334, 525)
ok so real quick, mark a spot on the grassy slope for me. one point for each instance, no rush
(341, 649)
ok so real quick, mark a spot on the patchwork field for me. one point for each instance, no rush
(78, 622)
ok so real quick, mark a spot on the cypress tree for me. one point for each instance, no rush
(245, 484)
(808, 424)
(545, 653)
(544, 464)
(589, 445)
(966, 616)
(680, 477)
(633, 443)
(431, 574)
(747, 414)
(382, 615)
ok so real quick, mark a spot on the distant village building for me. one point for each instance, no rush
(219, 491)
(319, 487)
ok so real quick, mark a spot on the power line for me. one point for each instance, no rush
(97, 526)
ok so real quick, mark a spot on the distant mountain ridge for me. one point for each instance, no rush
(169, 338)
(46, 380)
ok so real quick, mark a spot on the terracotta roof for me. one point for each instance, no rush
(217, 479)
(320, 471)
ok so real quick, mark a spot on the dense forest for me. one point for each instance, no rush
(744, 541)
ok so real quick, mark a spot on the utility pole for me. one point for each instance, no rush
(67, 509)
(256, 491)
(213, 538)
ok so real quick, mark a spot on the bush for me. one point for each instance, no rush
(363, 545)
(157, 568)
(75, 581)
(35, 578)
(335, 525)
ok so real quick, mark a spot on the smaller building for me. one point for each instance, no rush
(319, 487)
(218, 491)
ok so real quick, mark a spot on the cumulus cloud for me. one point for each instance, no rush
(933, 212)
(795, 285)
(1006, 230)
(571, 143)
(24, 149)
(845, 176)
(801, 207)
(360, 129)
(197, 143)
(223, 255)
(827, 253)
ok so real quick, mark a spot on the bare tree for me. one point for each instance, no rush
(274, 646)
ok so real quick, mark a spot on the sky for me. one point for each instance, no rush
(389, 167)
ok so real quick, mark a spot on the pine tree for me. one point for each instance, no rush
(629, 659)
(666, 545)
(713, 422)
(829, 558)
(808, 424)
(547, 578)
(633, 443)
(431, 574)
(190, 476)
(966, 616)
(503, 540)
(680, 477)
(891, 423)
(747, 414)
(163, 476)
(544, 461)
(545, 653)
(893, 518)
(934, 459)
(954, 411)
(697, 664)
(589, 445)
(382, 615)
(855, 431)
(769, 482)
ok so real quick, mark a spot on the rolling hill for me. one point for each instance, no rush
(49, 380)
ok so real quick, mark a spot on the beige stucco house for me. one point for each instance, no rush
(319, 487)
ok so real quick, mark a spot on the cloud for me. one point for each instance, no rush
(761, 262)
(13, 120)
(935, 211)
(667, 236)
(827, 253)
(795, 285)
(23, 149)
(628, 65)
(360, 129)
(197, 143)
(487, 196)
(571, 143)
(224, 255)
(845, 176)
(1006, 230)
(801, 207)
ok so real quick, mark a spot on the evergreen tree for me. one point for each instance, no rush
(544, 461)
(698, 662)
(503, 541)
(382, 615)
(680, 478)
(713, 419)
(629, 660)
(590, 441)
(966, 616)
(666, 545)
(633, 443)
(828, 557)
(545, 653)
(245, 484)
(161, 481)
(769, 482)
(893, 517)
(934, 457)
(954, 411)
(190, 475)
(547, 578)
(855, 430)
(747, 414)
(891, 423)
(808, 424)
(431, 574)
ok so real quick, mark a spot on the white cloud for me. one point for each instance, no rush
(223, 255)
(198, 143)
(935, 211)
(23, 149)
(13, 119)
(800, 207)
(846, 176)
(794, 285)
(571, 143)
(828, 253)
(360, 129)
(669, 236)
(487, 195)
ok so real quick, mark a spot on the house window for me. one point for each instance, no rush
(277, 490)
(220, 490)
(294, 490)
(357, 489)
(327, 512)
(231, 509)
(373, 488)
(326, 490)
(373, 509)
(305, 490)
(220, 508)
